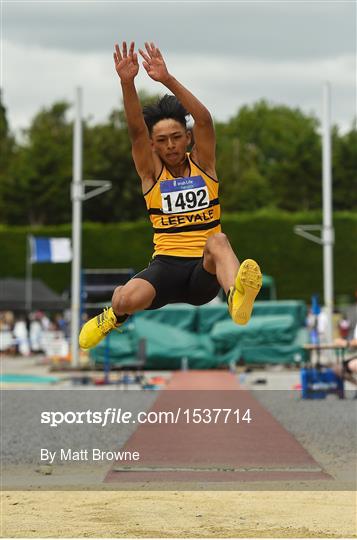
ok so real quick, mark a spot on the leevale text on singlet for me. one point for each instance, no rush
(85, 454)
(180, 220)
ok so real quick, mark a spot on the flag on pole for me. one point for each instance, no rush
(53, 250)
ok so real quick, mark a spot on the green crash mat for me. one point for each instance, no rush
(207, 337)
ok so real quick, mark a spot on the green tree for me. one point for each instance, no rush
(7, 149)
(344, 169)
(107, 156)
(38, 184)
(243, 187)
(287, 152)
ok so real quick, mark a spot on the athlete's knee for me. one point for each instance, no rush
(116, 298)
(216, 242)
(116, 295)
(123, 301)
(134, 296)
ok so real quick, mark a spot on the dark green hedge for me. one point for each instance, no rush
(268, 237)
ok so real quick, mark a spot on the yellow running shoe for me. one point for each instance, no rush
(241, 297)
(97, 328)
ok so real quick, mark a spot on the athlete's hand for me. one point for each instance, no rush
(126, 63)
(154, 63)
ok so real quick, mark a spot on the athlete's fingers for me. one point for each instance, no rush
(144, 55)
(125, 54)
(135, 58)
(118, 53)
(147, 47)
(158, 52)
(146, 66)
(131, 50)
(153, 48)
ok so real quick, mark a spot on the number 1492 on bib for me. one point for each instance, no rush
(184, 195)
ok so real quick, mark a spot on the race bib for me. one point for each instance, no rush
(184, 195)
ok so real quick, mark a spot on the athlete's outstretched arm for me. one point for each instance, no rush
(127, 67)
(204, 135)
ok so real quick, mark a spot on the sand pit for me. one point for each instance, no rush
(179, 514)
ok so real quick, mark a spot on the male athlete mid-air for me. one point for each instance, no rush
(192, 257)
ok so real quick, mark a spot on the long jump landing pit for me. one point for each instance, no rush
(203, 446)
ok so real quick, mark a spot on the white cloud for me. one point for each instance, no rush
(36, 78)
(229, 53)
(265, 29)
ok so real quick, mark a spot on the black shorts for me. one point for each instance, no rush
(179, 279)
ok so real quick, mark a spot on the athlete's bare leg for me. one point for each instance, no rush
(240, 282)
(219, 259)
(136, 295)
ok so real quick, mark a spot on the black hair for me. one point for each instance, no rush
(166, 107)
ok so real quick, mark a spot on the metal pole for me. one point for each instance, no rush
(76, 195)
(29, 273)
(327, 225)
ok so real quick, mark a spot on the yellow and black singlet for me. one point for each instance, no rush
(184, 211)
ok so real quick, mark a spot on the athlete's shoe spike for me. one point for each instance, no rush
(241, 297)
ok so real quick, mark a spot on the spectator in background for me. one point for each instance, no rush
(351, 312)
(322, 324)
(311, 323)
(61, 323)
(344, 327)
(348, 369)
(45, 321)
(20, 334)
(6, 325)
(317, 325)
(36, 332)
(348, 343)
(67, 318)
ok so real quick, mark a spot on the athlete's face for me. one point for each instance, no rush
(170, 141)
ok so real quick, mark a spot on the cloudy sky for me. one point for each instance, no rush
(228, 53)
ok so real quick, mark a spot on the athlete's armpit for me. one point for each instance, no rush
(143, 159)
